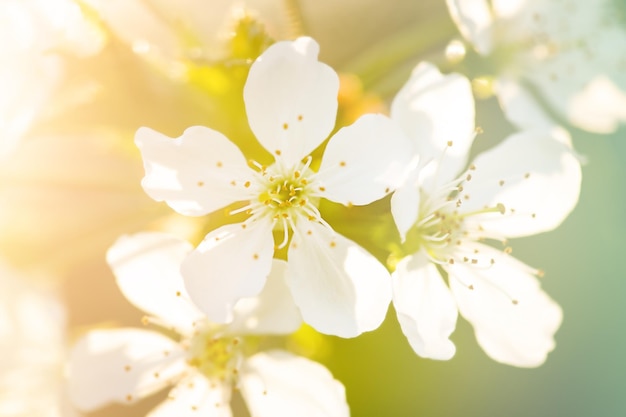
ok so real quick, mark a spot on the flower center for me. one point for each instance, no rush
(443, 225)
(214, 355)
(283, 195)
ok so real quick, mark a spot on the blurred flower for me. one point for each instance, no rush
(291, 103)
(568, 54)
(170, 33)
(34, 36)
(209, 360)
(527, 184)
(32, 348)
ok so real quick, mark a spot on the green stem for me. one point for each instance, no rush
(295, 18)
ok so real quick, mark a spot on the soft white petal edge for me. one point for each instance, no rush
(474, 20)
(599, 107)
(365, 161)
(291, 99)
(339, 287)
(436, 112)
(119, 365)
(405, 204)
(534, 174)
(196, 396)
(279, 384)
(232, 262)
(425, 307)
(193, 173)
(513, 318)
(519, 106)
(147, 271)
(273, 311)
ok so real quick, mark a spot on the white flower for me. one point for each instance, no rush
(526, 185)
(571, 53)
(206, 361)
(168, 33)
(291, 102)
(32, 348)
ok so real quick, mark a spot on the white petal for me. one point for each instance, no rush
(340, 288)
(291, 99)
(474, 20)
(520, 107)
(195, 396)
(599, 107)
(405, 207)
(147, 270)
(231, 263)
(364, 161)
(437, 111)
(279, 384)
(273, 311)
(121, 365)
(194, 174)
(425, 307)
(534, 174)
(513, 318)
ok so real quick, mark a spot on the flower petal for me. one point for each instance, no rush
(147, 270)
(273, 311)
(194, 174)
(425, 307)
(405, 207)
(195, 396)
(231, 263)
(513, 318)
(534, 174)
(141, 27)
(279, 384)
(519, 106)
(598, 107)
(437, 112)
(365, 161)
(340, 288)
(291, 99)
(473, 19)
(121, 365)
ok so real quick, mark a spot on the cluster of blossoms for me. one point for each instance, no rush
(568, 54)
(219, 311)
(284, 263)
